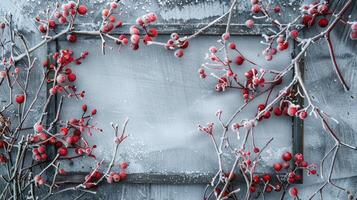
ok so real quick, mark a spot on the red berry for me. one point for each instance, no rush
(84, 107)
(299, 157)
(63, 151)
(313, 172)
(278, 167)
(322, 9)
(112, 19)
(294, 34)
(323, 22)
(135, 39)
(42, 28)
(292, 110)
(179, 53)
(72, 77)
(266, 177)
(307, 20)
(249, 23)
(277, 9)
(41, 149)
(278, 111)
(185, 44)
(303, 114)
(94, 111)
(153, 32)
(268, 189)
(122, 175)
(293, 192)
(256, 150)
(52, 24)
(252, 189)
(256, 179)
(64, 131)
(240, 60)
(226, 36)
(287, 156)
(261, 107)
(20, 98)
(124, 165)
(353, 35)
(354, 26)
(72, 38)
(82, 9)
(105, 12)
(256, 8)
(232, 45)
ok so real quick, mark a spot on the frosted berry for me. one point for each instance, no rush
(3, 74)
(63, 151)
(294, 34)
(303, 114)
(38, 127)
(105, 12)
(42, 28)
(72, 38)
(322, 9)
(82, 9)
(293, 192)
(299, 157)
(354, 26)
(179, 53)
(52, 24)
(114, 5)
(124, 165)
(353, 35)
(256, 8)
(225, 36)
(213, 49)
(249, 23)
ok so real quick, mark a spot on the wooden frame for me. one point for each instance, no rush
(182, 178)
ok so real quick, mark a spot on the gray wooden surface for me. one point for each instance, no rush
(321, 80)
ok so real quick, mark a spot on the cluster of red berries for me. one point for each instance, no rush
(91, 179)
(175, 42)
(118, 176)
(283, 44)
(39, 153)
(65, 76)
(290, 109)
(143, 21)
(312, 11)
(110, 22)
(299, 163)
(257, 8)
(69, 9)
(254, 78)
(353, 34)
